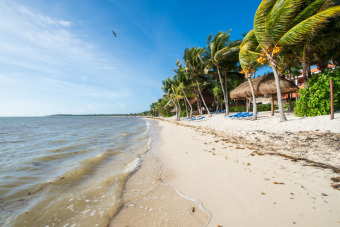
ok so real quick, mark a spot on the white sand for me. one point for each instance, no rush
(269, 123)
(241, 188)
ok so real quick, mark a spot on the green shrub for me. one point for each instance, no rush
(261, 107)
(237, 109)
(315, 100)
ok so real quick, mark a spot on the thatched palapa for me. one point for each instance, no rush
(263, 86)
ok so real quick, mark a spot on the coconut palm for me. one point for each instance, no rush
(195, 67)
(177, 96)
(217, 92)
(184, 82)
(248, 56)
(281, 23)
(168, 90)
(229, 65)
(216, 52)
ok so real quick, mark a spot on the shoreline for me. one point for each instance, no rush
(235, 177)
(147, 199)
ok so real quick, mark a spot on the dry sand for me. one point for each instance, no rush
(243, 173)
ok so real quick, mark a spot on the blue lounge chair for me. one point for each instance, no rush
(235, 115)
(252, 114)
(243, 115)
(248, 115)
(201, 118)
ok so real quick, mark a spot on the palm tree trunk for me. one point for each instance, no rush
(199, 90)
(304, 74)
(304, 67)
(199, 110)
(272, 105)
(179, 111)
(254, 99)
(186, 108)
(175, 107)
(224, 97)
(309, 72)
(278, 89)
(226, 92)
(247, 104)
(188, 103)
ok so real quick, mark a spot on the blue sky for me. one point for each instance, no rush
(61, 56)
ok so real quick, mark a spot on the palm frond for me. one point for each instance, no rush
(209, 38)
(309, 11)
(283, 17)
(226, 51)
(308, 27)
(329, 4)
(260, 21)
(249, 38)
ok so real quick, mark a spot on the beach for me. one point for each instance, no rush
(223, 172)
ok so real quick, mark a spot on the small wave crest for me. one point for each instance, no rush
(132, 166)
(148, 125)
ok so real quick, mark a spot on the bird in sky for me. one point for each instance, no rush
(114, 33)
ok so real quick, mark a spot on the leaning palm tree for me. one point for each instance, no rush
(184, 82)
(168, 93)
(195, 67)
(281, 23)
(248, 56)
(230, 64)
(217, 50)
(177, 96)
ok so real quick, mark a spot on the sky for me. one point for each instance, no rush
(61, 57)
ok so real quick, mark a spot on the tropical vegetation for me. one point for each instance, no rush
(287, 35)
(316, 99)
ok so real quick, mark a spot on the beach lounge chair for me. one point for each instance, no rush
(201, 118)
(235, 115)
(240, 115)
(244, 115)
(248, 115)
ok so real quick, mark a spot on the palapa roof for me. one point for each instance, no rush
(263, 86)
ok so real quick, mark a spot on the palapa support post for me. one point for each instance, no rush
(290, 102)
(272, 102)
(247, 104)
(332, 100)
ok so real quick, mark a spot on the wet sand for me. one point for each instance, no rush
(148, 200)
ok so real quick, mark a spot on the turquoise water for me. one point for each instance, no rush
(67, 171)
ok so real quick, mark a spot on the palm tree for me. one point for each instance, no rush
(184, 82)
(217, 91)
(214, 52)
(229, 64)
(248, 56)
(168, 93)
(195, 67)
(279, 23)
(177, 96)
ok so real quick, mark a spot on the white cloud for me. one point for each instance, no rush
(50, 61)
(42, 56)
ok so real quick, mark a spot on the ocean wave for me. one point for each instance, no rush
(132, 166)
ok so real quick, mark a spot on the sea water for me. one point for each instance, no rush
(67, 171)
